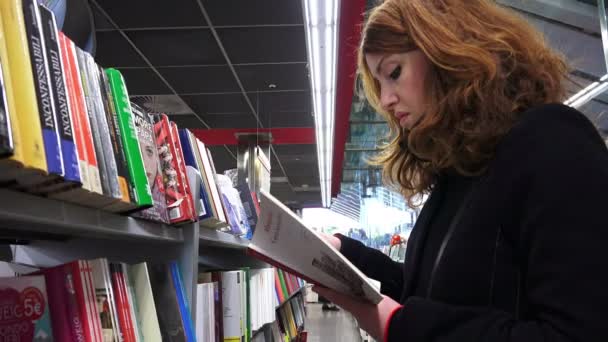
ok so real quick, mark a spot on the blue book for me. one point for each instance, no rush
(190, 160)
(183, 303)
(60, 99)
(46, 107)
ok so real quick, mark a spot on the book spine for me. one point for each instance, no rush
(87, 89)
(210, 175)
(62, 330)
(94, 310)
(100, 117)
(62, 106)
(46, 106)
(75, 109)
(133, 304)
(190, 160)
(278, 288)
(146, 309)
(124, 179)
(183, 303)
(131, 144)
(207, 184)
(80, 293)
(122, 303)
(218, 294)
(85, 125)
(6, 134)
(16, 54)
(181, 172)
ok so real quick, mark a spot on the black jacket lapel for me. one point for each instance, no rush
(416, 240)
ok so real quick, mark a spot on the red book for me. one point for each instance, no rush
(83, 307)
(179, 205)
(122, 303)
(92, 298)
(181, 171)
(57, 299)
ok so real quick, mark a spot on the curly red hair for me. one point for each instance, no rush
(488, 66)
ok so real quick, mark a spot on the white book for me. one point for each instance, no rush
(146, 309)
(232, 305)
(282, 239)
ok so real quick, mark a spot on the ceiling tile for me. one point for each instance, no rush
(113, 50)
(283, 109)
(186, 121)
(295, 152)
(242, 120)
(210, 79)
(283, 76)
(100, 21)
(153, 13)
(217, 104)
(260, 12)
(168, 104)
(144, 82)
(178, 47)
(264, 44)
(286, 119)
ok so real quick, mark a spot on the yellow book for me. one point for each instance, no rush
(22, 84)
(16, 161)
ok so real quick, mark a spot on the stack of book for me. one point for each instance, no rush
(236, 305)
(97, 300)
(68, 131)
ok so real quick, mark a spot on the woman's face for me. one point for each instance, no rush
(401, 78)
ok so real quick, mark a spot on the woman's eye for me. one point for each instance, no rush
(396, 73)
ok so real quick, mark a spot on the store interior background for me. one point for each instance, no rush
(226, 66)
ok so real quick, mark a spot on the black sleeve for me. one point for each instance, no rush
(564, 235)
(375, 265)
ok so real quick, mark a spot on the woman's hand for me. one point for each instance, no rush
(334, 241)
(372, 318)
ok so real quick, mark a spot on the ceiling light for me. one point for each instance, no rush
(321, 20)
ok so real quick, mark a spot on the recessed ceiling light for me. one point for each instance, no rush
(272, 86)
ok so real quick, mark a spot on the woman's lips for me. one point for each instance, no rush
(402, 117)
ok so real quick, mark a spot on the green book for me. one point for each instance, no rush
(129, 136)
(283, 285)
(247, 304)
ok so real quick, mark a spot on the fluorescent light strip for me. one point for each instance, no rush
(589, 96)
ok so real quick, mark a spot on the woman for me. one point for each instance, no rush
(510, 244)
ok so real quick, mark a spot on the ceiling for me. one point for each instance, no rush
(218, 64)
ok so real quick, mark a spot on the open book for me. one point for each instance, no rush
(283, 240)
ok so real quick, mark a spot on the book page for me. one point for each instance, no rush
(281, 236)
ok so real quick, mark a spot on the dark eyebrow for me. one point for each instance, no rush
(379, 66)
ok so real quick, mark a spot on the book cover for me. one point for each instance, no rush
(165, 297)
(181, 167)
(120, 97)
(74, 305)
(210, 176)
(183, 302)
(178, 203)
(122, 303)
(107, 151)
(46, 107)
(93, 311)
(205, 313)
(106, 303)
(6, 134)
(133, 301)
(146, 308)
(190, 160)
(283, 240)
(26, 295)
(57, 299)
(59, 96)
(15, 54)
(81, 293)
(76, 109)
(125, 184)
(152, 167)
(199, 162)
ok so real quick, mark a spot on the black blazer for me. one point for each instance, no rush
(526, 259)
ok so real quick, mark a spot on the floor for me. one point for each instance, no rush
(330, 326)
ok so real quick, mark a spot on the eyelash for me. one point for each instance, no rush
(394, 75)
